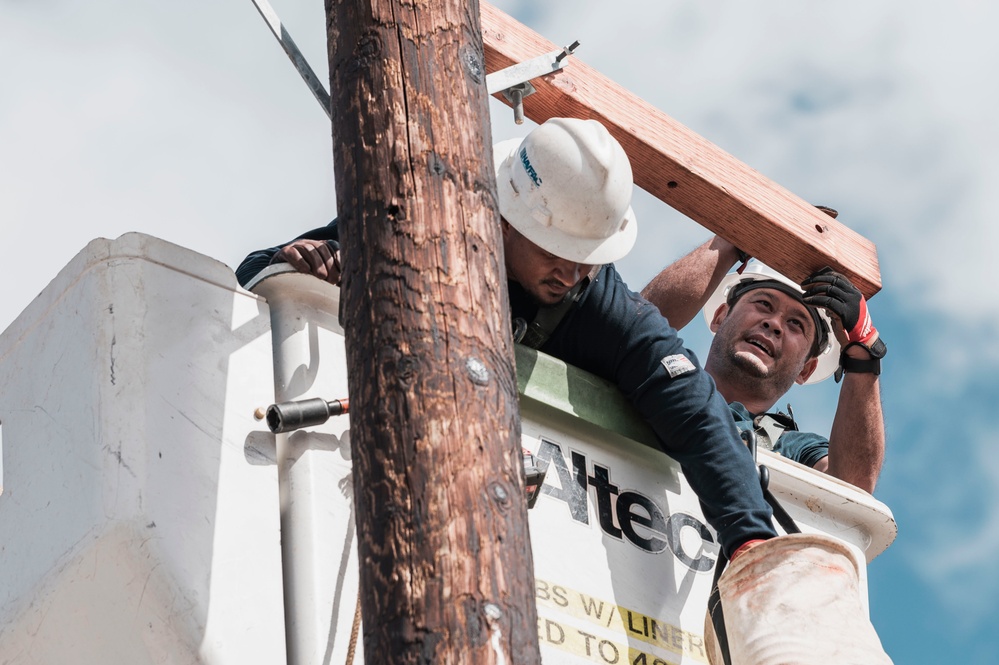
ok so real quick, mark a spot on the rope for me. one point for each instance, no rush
(352, 645)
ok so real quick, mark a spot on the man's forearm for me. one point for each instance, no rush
(857, 440)
(682, 288)
(253, 264)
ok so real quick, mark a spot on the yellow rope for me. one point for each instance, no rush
(353, 632)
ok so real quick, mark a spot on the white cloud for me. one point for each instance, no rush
(881, 113)
(958, 532)
(128, 117)
(188, 124)
(885, 114)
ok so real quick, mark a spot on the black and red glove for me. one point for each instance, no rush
(837, 295)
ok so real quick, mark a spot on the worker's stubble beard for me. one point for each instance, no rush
(746, 373)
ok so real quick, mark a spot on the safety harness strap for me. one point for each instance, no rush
(770, 426)
(715, 610)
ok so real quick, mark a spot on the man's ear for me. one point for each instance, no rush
(807, 370)
(506, 229)
(719, 316)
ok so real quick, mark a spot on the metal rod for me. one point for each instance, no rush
(517, 97)
(294, 54)
(568, 50)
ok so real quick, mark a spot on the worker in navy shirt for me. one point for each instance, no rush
(565, 202)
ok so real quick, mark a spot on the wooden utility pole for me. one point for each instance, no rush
(445, 560)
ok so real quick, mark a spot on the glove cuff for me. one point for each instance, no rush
(850, 365)
(864, 332)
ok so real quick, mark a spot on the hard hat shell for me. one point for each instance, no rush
(756, 271)
(567, 188)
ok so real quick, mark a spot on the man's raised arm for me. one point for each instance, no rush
(680, 290)
(857, 439)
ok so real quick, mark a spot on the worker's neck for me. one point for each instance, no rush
(744, 392)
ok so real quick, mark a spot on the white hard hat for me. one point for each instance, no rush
(567, 188)
(828, 345)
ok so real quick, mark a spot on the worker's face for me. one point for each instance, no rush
(765, 336)
(542, 274)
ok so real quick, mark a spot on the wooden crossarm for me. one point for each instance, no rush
(685, 170)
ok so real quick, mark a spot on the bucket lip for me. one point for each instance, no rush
(284, 279)
(776, 548)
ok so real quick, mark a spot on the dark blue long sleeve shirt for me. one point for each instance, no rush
(619, 336)
(260, 259)
(616, 334)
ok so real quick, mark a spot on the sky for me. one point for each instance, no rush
(185, 120)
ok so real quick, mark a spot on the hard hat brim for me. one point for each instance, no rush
(591, 251)
(828, 358)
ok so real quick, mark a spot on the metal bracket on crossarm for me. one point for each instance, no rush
(514, 81)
